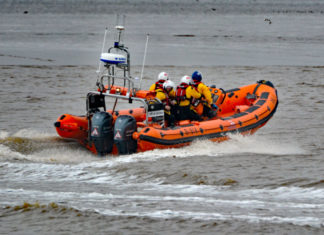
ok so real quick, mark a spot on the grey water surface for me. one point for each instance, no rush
(269, 183)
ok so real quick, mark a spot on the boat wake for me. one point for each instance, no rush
(35, 146)
(237, 144)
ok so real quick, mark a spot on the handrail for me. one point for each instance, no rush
(128, 79)
(125, 97)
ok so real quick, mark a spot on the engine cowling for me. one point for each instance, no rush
(102, 132)
(124, 128)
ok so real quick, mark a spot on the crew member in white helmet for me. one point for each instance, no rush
(163, 76)
(185, 97)
(167, 95)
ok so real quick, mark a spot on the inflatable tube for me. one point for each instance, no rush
(241, 110)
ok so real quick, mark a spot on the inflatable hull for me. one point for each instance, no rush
(241, 110)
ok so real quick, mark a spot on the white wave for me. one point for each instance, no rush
(7, 154)
(22, 172)
(267, 199)
(285, 193)
(237, 144)
(51, 155)
(205, 216)
(32, 133)
(63, 155)
(48, 150)
(281, 194)
(4, 134)
(262, 205)
(257, 144)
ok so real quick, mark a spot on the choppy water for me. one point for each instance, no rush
(268, 183)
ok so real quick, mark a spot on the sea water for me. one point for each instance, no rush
(268, 183)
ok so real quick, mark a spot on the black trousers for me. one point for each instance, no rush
(169, 118)
(208, 112)
(185, 113)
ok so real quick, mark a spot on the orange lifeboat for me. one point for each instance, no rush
(108, 131)
(241, 110)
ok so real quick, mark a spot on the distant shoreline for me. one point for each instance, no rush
(191, 7)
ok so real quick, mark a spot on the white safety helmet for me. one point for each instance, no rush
(163, 76)
(168, 84)
(187, 79)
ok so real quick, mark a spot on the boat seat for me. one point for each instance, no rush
(241, 108)
(250, 98)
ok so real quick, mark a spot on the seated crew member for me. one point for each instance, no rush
(167, 95)
(163, 76)
(205, 93)
(185, 94)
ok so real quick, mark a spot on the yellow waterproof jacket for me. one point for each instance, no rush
(171, 94)
(152, 87)
(190, 93)
(204, 90)
(161, 95)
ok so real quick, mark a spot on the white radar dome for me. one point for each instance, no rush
(111, 58)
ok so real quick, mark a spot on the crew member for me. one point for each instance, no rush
(167, 95)
(163, 76)
(185, 97)
(209, 107)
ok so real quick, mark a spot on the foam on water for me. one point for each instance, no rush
(32, 134)
(237, 144)
(257, 144)
(63, 155)
(3, 134)
(37, 146)
(291, 210)
(45, 147)
(169, 214)
(7, 154)
(294, 197)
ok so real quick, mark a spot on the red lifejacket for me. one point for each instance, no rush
(159, 84)
(167, 99)
(181, 92)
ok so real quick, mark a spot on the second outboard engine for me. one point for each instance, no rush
(102, 132)
(125, 126)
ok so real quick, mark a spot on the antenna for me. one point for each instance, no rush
(124, 21)
(147, 38)
(119, 28)
(102, 50)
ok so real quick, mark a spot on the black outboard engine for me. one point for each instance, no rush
(102, 132)
(125, 126)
